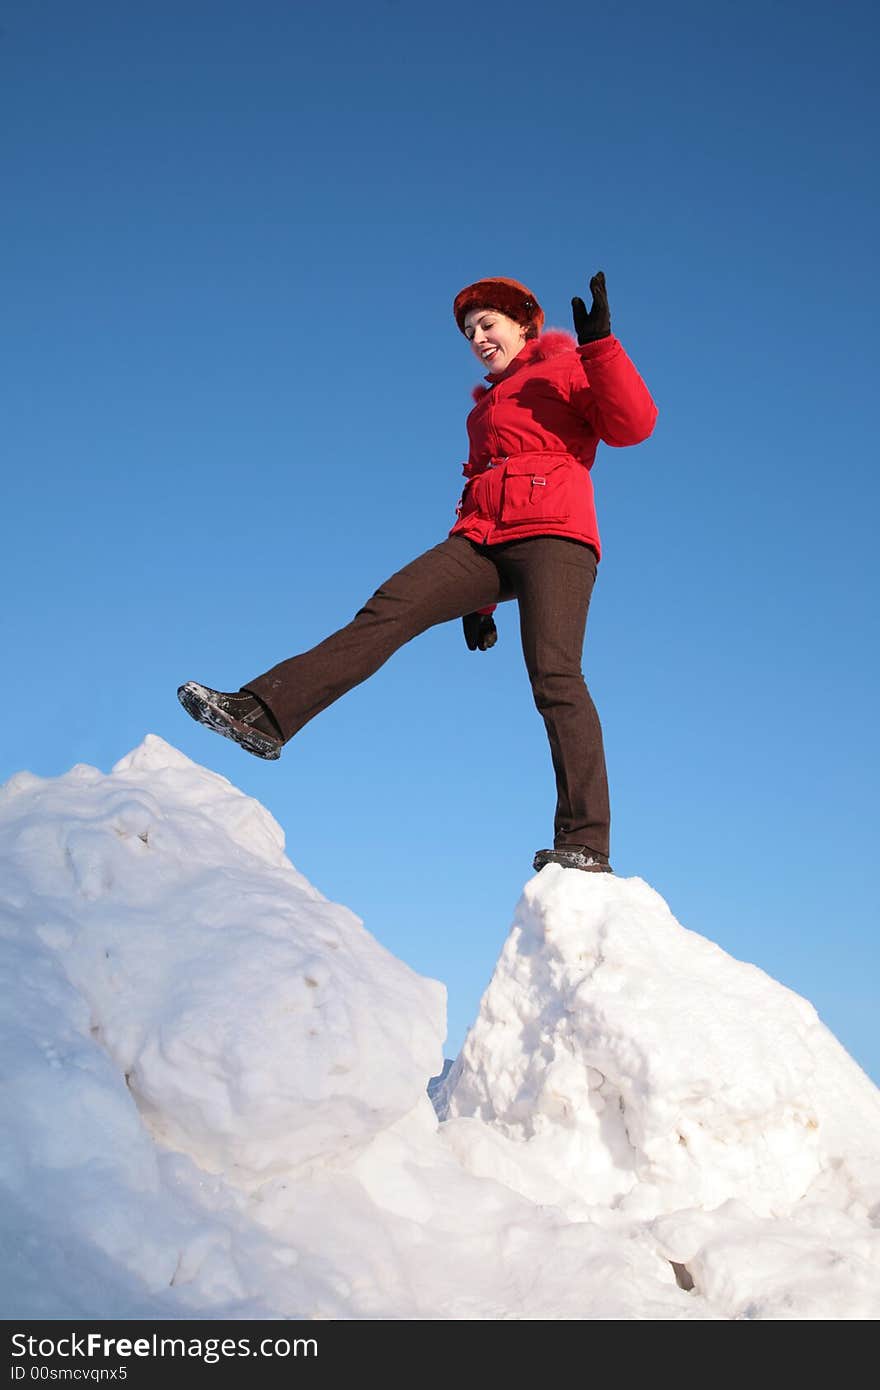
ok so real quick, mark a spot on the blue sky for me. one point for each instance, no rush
(235, 403)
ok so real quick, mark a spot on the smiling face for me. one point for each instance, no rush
(494, 338)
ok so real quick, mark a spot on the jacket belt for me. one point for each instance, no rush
(473, 470)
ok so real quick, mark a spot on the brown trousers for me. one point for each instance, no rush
(552, 579)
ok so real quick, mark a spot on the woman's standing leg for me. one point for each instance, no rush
(553, 580)
(446, 582)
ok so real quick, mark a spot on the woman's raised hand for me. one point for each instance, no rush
(596, 324)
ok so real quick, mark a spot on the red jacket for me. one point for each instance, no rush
(533, 436)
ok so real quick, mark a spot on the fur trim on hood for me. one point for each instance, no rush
(549, 344)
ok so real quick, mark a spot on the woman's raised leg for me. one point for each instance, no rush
(453, 578)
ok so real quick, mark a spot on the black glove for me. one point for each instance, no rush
(596, 324)
(480, 631)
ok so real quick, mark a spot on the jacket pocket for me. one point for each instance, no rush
(536, 488)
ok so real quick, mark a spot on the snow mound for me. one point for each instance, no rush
(645, 1068)
(216, 1088)
(236, 1001)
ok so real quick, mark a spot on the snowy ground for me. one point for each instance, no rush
(214, 1093)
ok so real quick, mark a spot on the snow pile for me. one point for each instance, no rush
(214, 1089)
(239, 1004)
(624, 1064)
(645, 1068)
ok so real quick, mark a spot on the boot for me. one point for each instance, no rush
(573, 857)
(241, 717)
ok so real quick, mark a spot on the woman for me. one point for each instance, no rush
(526, 529)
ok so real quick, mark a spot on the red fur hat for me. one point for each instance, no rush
(508, 296)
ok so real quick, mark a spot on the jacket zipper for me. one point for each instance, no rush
(497, 450)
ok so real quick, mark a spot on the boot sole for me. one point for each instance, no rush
(573, 860)
(200, 703)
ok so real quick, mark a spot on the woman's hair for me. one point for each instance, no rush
(531, 327)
